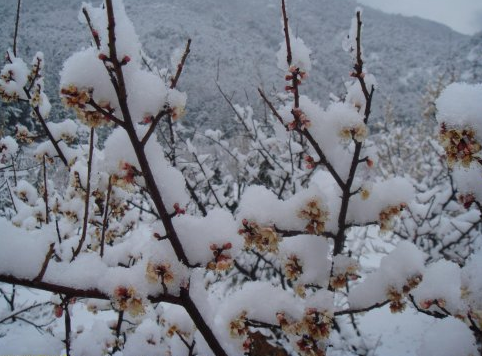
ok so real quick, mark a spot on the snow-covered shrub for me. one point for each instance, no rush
(262, 271)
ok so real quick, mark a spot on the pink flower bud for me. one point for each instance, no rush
(293, 69)
(58, 311)
(125, 60)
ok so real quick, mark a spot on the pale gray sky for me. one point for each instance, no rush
(464, 16)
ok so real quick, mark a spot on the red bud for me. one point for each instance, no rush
(58, 311)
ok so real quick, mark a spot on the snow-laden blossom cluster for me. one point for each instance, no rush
(458, 114)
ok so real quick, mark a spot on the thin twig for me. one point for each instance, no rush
(361, 310)
(264, 152)
(88, 292)
(108, 115)
(289, 57)
(48, 256)
(67, 323)
(94, 33)
(14, 172)
(311, 140)
(11, 197)
(208, 181)
(196, 199)
(105, 222)
(346, 189)
(40, 118)
(47, 131)
(26, 309)
(36, 326)
(435, 314)
(118, 329)
(17, 20)
(46, 194)
(180, 66)
(87, 197)
(154, 123)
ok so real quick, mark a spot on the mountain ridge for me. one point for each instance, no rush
(234, 42)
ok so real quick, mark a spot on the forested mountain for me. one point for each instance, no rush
(234, 42)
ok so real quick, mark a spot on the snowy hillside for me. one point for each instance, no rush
(234, 41)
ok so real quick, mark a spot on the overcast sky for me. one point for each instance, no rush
(464, 16)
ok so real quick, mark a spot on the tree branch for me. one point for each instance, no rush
(48, 256)
(180, 66)
(17, 21)
(87, 197)
(361, 310)
(105, 222)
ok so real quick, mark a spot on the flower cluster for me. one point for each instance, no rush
(178, 210)
(22, 134)
(8, 148)
(58, 311)
(310, 162)
(466, 200)
(396, 296)
(222, 258)
(7, 95)
(117, 206)
(301, 121)
(22, 194)
(39, 156)
(460, 146)
(36, 99)
(474, 309)
(126, 178)
(35, 72)
(175, 330)
(261, 238)
(293, 268)
(364, 193)
(476, 315)
(427, 303)
(295, 76)
(76, 182)
(71, 215)
(177, 112)
(313, 329)
(397, 304)
(126, 298)
(316, 216)
(75, 98)
(79, 99)
(239, 327)
(112, 233)
(344, 269)
(156, 272)
(386, 216)
(358, 133)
